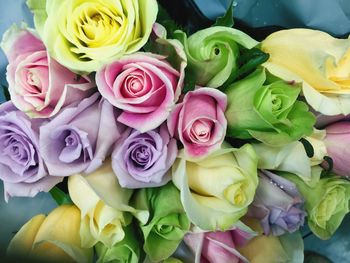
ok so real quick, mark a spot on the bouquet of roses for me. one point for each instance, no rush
(162, 136)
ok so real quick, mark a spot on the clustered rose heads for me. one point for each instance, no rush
(140, 131)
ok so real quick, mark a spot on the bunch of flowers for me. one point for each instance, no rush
(163, 136)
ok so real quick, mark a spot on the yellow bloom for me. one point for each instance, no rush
(104, 206)
(54, 238)
(217, 190)
(318, 60)
(84, 35)
(272, 249)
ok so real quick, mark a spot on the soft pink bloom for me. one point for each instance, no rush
(38, 85)
(199, 121)
(144, 86)
(338, 146)
(218, 247)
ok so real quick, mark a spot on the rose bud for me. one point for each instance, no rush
(219, 247)
(52, 238)
(199, 121)
(338, 146)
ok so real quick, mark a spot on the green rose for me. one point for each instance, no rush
(84, 35)
(326, 203)
(213, 53)
(167, 223)
(126, 251)
(267, 110)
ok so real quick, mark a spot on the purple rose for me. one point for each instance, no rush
(21, 166)
(80, 137)
(277, 204)
(143, 159)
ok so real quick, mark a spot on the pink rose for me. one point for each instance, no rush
(38, 85)
(199, 121)
(144, 86)
(338, 147)
(218, 247)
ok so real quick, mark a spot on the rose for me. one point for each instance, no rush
(83, 36)
(292, 157)
(127, 251)
(218, 247)
(167, 222)
(326, 203)
(143, 159)
(80, 137)
(144, 86)
(277, 204)
(216, 191)
(337, 143)
(104, 206)
(267, 111)
(213, 52)
(317, 60)
(21, 166)
(283, 249)
(199, 121)
(38, 85)
(53, 238)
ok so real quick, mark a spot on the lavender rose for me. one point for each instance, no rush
(21, 166)
(143, 159)
(80, 137)
(277, 204)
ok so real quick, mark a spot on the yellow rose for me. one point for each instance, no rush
(216, 191)
(84, 35)
(104, 206)
(319, 61)
(54, 238)
(272, 249)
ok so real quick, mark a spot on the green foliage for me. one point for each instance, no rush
(227, 18)
(60, 197)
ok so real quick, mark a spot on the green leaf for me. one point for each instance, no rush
(308, 147)
(164, 19)
(189, 83)
(60, 197)
(328, 167)
(5, 92)
(227, 18)
(249, 60)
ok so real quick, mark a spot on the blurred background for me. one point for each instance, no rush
(257, 18)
